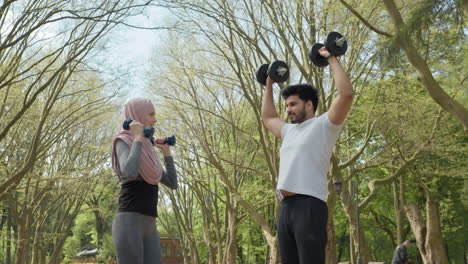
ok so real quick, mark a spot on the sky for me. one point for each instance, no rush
(134, 47)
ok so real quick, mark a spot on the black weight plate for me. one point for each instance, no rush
(262, 74)
(315, 56)
(171, 140)
(336, 44)
(126, 124)
(278, 71)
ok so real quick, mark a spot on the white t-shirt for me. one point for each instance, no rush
(305, 156)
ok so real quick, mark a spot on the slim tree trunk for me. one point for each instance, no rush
(36, 245)
(399, 213)
(8, 246)
(352, 252)
(331, 243)
(208, 241)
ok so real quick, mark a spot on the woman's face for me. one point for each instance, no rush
(150, 119)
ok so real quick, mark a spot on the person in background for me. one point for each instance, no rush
(401, 255)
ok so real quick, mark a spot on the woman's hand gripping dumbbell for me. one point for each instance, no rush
(147, 132)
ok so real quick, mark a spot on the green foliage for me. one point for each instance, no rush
(252, 247)
(107, 251)
(82, 238)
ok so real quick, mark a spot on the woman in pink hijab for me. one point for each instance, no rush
(136, 163)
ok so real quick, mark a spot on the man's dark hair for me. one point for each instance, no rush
(305, 92)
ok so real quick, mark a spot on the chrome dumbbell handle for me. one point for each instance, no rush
(282, 71)
(340, 41)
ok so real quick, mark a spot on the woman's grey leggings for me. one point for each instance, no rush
(136, 239)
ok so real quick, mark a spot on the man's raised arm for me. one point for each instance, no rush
(269, 115)
(342, 103)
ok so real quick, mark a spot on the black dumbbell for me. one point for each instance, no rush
(335, 43)
(171, 140)
(277, 70)
(149, 131)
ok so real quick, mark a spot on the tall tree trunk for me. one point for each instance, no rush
(272, 242)
(427, 232)
(436, 252)
(43, 255)
(212, 255)
(100, 224)
(23, 238)
(208, 241)
(349, 206)
(194, 258)
(39, 252)
(56, 257)
(233, 227)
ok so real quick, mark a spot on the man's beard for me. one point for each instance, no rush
(299, 117)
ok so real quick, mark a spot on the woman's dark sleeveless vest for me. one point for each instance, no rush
(139, 196)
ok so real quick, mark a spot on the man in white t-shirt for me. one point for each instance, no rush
(305, 154)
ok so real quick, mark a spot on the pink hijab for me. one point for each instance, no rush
(150, 166)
